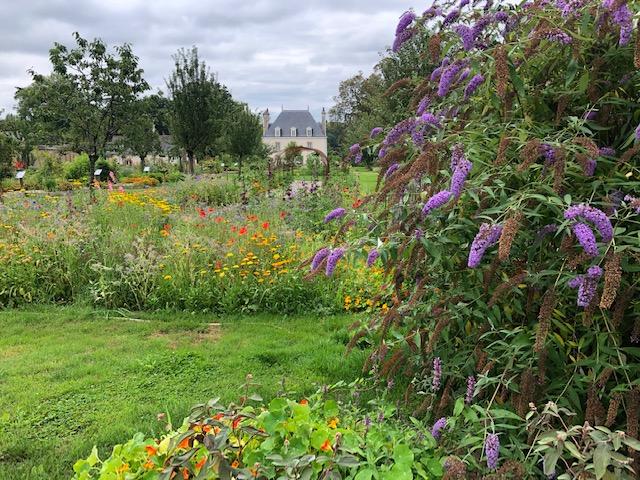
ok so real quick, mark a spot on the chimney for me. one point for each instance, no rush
(265, 121)
(324, 120)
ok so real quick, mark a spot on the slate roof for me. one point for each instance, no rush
(301, 119)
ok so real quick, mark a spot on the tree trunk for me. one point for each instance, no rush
(192, 165)
(93, 158)
(142, 159)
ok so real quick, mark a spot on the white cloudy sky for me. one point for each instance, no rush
(268, 52)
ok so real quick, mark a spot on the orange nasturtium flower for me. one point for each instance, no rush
(201, 463)
(184, 443)
(326, 446)
(304, 401)
(149, 465)
(333, 422)
(235, 464)
(151, 450)
(218, 416)
(185, 474)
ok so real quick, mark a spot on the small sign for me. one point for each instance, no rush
(97, 172)
(147, 169)
(20, 174)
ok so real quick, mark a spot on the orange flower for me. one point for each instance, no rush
(357, 203)
(206, 428)
(149, 465)
(283, 214)
(333, 422)
(326, 446)
(151, 450)
(184, 443)
(252, 218)
(265, 225)
(185, 474)
(201, 463)
(236, 422)
(242, 231)
(235, 464)
(218, 416)
(234, 229)
(304, 401)
(219, 219)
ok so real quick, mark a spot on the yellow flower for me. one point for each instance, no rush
(167, 277)
(333, 422)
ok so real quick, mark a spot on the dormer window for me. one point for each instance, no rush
(294, 132)
(278, 132)
(309, 132)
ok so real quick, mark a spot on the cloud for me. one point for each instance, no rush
(268, 52)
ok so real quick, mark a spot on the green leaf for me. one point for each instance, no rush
(402, 455)
(459, 406)
(601, 460)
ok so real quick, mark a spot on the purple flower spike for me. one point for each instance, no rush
(375, 132)
(319, 257)
(333, 214)
(437, 374)
(593, 215)
(471, 387)
(637, 133)
(332, 260)
(459, 176)
(586, 285)
(587, 239)
(492, 450)
(391, 170)
(423, 105)
(436, 430)
(473, 85)
(405, 20)
(487, 236)
(354, 149)
(372, 257)
(436, 201)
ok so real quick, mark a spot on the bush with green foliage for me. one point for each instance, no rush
(507, 218)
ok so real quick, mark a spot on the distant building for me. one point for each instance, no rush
(294, 126)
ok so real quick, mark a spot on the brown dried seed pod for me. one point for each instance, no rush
(588, 144)
(442, 322)
(501, 156)
(612, 277)
(390, 364)
(481, 361)
(544, 318)
(563, 102)
(502, 70)
(506, 286)
(587, 316)
(527, 391)
(489, 273)
(354, 340)
(558, 169)
(628, 155)
(529, 154)
(542, 366)
(632, 409)
(433, 47)
(595, 413)
(621, 305)
(612, 411)
(424, 406)
(445, 400)
(402, 83)
(509, 231)
(635, 332)
(455, 469)
(604, 377)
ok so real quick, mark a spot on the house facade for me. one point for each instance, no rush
(294, 126)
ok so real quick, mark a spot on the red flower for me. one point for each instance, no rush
(236, 422)
(219, 220)
(202, 213)
(357, 203)
(234, 229)
(265, 225)
(283, 214)
(242, 231)
(326, 446)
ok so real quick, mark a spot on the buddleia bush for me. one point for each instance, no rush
(507, 221)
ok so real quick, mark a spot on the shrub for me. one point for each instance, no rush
(78, 168)
(507, 220)
(214, 192)
(311, 438)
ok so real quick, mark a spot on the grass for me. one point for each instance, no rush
(366, 178)
(71, 378)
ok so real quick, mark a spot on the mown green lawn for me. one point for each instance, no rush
(366, 178)
(72, 378)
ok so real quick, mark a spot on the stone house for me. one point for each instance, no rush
(294, 126)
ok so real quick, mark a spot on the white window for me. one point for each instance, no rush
(309, 132)
(294, 132)
(278, 132)
(277, 146)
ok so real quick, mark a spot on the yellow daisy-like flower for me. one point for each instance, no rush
(167, 277)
